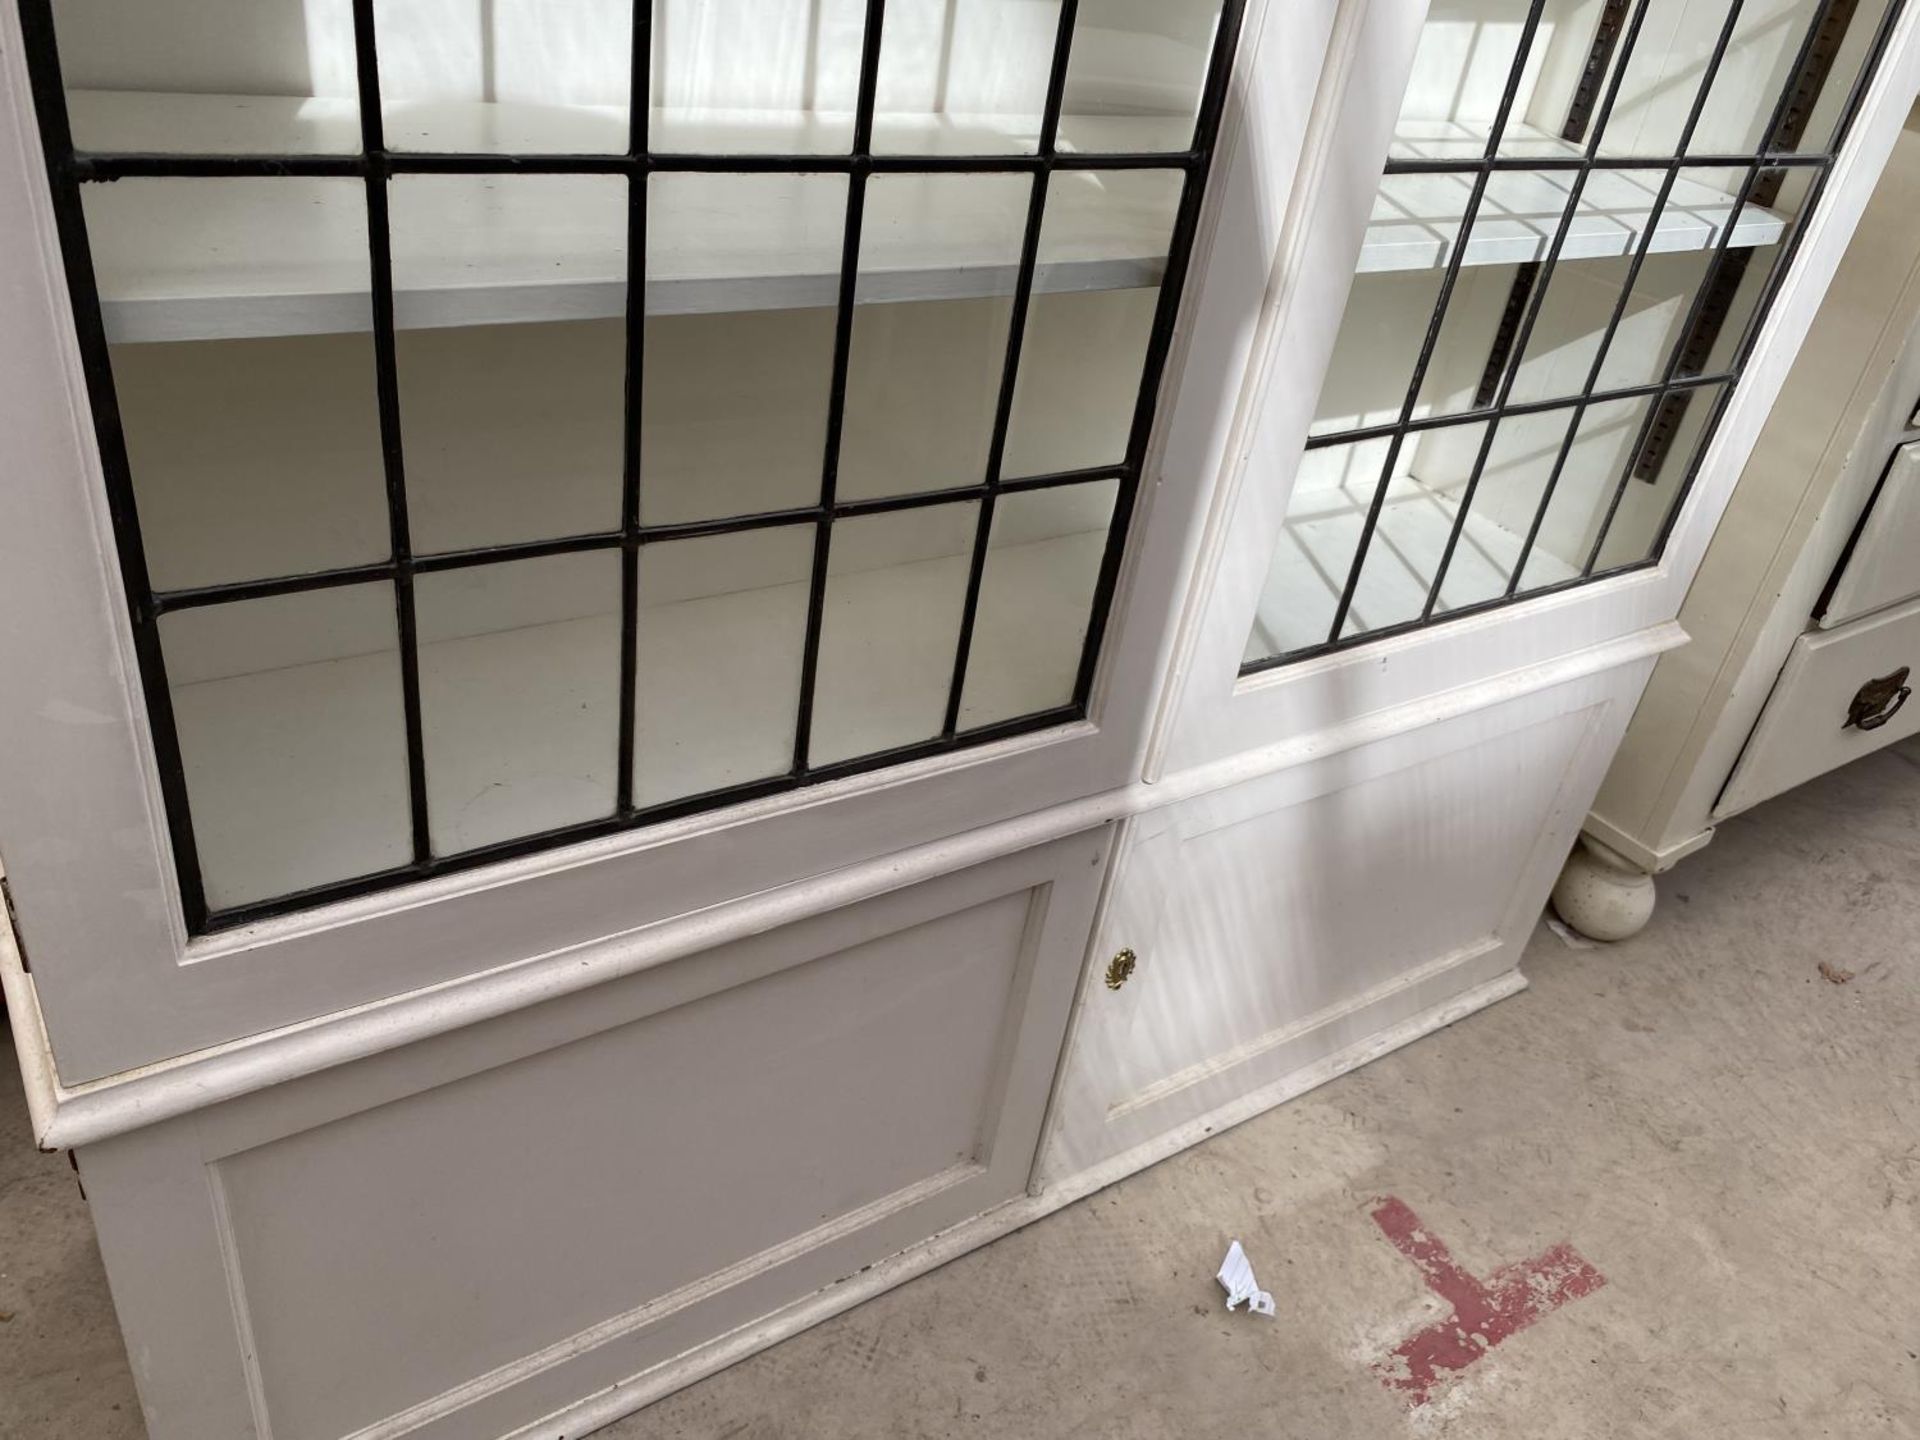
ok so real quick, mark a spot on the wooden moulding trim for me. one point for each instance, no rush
(29, 1034)
(99, 1110)
(1653, 859)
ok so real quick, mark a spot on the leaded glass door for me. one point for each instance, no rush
(1584, 212)
(498, 463)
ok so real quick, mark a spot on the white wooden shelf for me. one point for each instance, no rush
(272, 742)
(1416, 217)
(211, 258)
(1316, 549)
(1415, 139)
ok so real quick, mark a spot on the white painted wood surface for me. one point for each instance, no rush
(1884, 566)
(1263, 947)
(269, 1154)
(865, 1078)
(150, 1006)
(1416, 218)
(1218, 713)
(559, 253)
(209, 258)
(513, 432)
(68, 1115)
(760, 63)
(521, 719)
(221, 1186)
(1803, 732)
(891, 957)
(1817, 458)
(1416, 520)
(145, 994)
(198, 123)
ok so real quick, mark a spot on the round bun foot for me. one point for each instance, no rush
(1602, 895)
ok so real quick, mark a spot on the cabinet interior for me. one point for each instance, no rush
(979, 488)
(1620, 244)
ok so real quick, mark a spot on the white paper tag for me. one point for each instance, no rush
(1236, 1274)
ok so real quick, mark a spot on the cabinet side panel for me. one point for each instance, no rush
(1776, 543)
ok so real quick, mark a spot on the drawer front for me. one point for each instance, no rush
(1883, 566)
(1841, 696)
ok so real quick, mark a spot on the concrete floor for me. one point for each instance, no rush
(1732, 1140)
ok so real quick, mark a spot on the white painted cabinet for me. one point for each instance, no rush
(1266, 960)
(668, 672)
(548, 1204)
(1803, 640)
(1841, 695)
(1882, 563)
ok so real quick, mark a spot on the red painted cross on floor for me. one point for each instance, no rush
(1484, 1313)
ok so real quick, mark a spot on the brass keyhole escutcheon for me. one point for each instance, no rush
(1120, 969)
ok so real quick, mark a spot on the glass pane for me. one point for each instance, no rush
(253, 457)
(1519, 461)
(1328, 508)
(512, 431)
(1740, 279)
(811, 496)
(895, 590)
(505, 76)
(503, 249)
(1467, 49)
(1096, 290)
(1410, 241)
(1821, 128)
(1036, 599)
(254, 442)
(939, 257)
(1660, 472)
(170, 76)
(519, 696)
(722, 632)
(1676, 43)
(1759, 64)
(1759, 60)
(743, 276)
(1581, 299)
(1457, 377)
(213, 258)
(293, 739)
(1662, 80)
(964, 79)
(1373, 359)
(1404, 553)
(1135, 75)
(1331, 492)
(1599, 455)
(737, 76)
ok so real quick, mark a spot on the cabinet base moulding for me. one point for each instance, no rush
(1651, 859)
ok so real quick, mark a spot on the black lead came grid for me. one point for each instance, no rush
(1775, 156)
(376, 165)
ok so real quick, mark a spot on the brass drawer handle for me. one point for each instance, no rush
(1879, 701)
